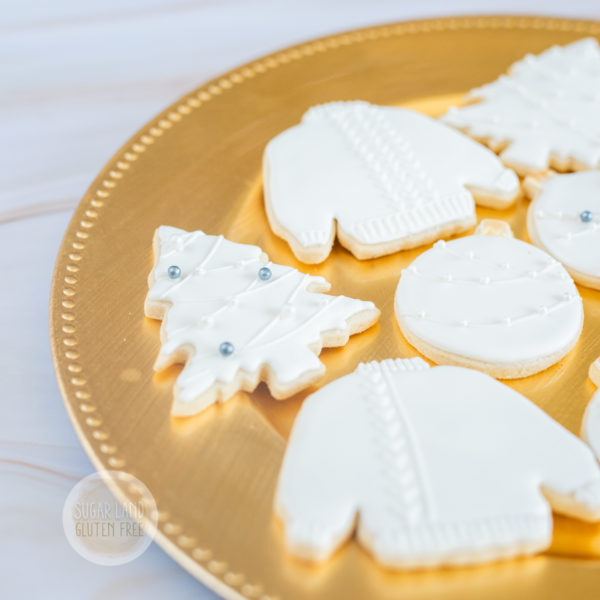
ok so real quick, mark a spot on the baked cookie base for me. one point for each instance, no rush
(500, 371)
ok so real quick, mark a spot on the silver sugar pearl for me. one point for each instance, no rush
(586, 216)
(264, 273)
(226, 349)
(174, 272)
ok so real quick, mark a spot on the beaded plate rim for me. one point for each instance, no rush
(83, 413)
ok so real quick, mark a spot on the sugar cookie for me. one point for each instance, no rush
(237, 319)
(386, 178)
(489, 302)
(543, 113)
(590, 430)
(564, 220)
(433, 467)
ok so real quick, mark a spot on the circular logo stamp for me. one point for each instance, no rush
(103, 530)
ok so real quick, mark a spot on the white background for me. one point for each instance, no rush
(77, 78)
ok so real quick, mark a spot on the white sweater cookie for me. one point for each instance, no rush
(236, 319)
(431, 466)
(543, 113)
(385, 178)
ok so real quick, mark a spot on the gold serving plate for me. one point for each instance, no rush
(198, 166)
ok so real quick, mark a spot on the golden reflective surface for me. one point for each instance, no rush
(197, 166)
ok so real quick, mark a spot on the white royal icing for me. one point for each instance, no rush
(546, 108)
(275, 326)
(382, 173)
(591, 424)
(590, 429)
(489, 298)
(555, 215)
(442, 466)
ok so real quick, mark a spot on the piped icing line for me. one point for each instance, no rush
(486, 280)
(232, 301)
(592, 226)
(387, 156)
(540, 312)
(562, 216)
(406, 493)
(415, 218)
(548, 265)
(423, 485)
(179, 245)
(235, 318)
(326, 305)
(541, 103)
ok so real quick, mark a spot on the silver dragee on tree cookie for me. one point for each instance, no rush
(384, 178)
(432, 466)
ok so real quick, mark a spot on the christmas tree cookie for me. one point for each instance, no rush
(490, 302)
(382, 178)
(430, 467)
(564, 220)
(543, 113)
(236, 319)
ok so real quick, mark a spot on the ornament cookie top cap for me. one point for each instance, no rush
(544, 113)
(395, 472)
(494, 227)
(236, 319)
(384, 178)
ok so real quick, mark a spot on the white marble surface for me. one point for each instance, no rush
(76, 80)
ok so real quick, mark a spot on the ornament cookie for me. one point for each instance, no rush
(543, 113)
(384, 178)
(489, 302)
(236, 319)
(564, 220)
(436, 466)
(590, 430)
